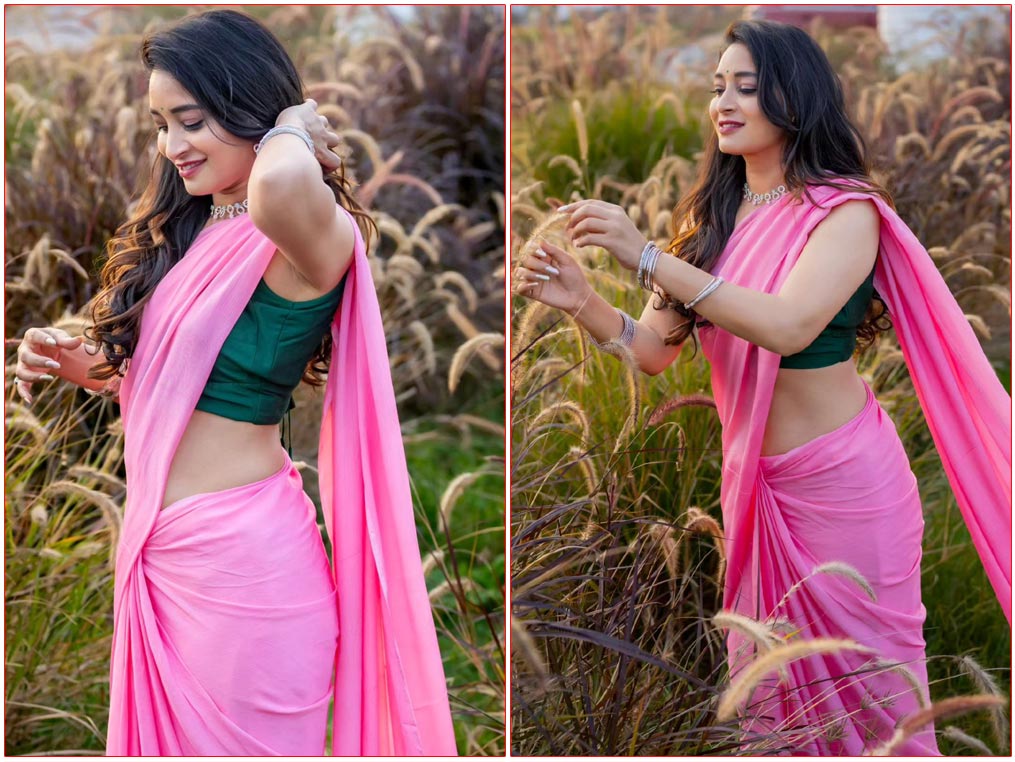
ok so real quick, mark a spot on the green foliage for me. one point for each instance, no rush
(629, 131)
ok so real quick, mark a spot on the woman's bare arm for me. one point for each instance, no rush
(569, 290)
(291, 204)
(837, 257)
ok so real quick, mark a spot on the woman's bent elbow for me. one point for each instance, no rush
(653, 366)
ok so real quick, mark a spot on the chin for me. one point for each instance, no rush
(730, 150)
(197, 189)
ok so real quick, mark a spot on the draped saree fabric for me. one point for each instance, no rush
(849, 496)
(225, 620)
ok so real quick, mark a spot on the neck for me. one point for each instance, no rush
(232, 195)
(223, 199)
(765, 171)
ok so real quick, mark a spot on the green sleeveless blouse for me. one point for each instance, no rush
(837, 341)
(264, 356)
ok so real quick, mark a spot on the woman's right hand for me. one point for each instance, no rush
(316, 125)
(38, 354)
(552, 276)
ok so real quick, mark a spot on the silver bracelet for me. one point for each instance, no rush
(712, 286)
(287, 129)
(625, 339)
(111, 388)
(647, 266)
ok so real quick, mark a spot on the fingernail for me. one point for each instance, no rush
(542, 277)
(52, 364)
(564, 208)
(540, 253)
(552, 270)
(51, 341)
(47, 377)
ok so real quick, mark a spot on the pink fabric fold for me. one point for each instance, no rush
(395, 696)
(968, 413)
(390, 691)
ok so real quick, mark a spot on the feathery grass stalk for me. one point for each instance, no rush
(950, 707)
(741, 688)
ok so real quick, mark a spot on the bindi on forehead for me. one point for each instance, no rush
(176, 109)
(736, 74)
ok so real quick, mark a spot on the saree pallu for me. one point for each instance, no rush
(772, 525)
(201, 661)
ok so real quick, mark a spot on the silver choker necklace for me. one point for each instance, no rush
(763, 198)
(222, 211)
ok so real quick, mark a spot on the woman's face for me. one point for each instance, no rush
(742, 128)
(196, 144)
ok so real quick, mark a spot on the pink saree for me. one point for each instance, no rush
(849, 495)
(231, 634)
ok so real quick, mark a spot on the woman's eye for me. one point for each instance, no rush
(194, 126)
(747, 91)
(717, 91)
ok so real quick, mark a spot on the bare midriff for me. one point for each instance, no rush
(807, 403)
(216, 453)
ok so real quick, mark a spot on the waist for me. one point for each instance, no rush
(809, 403)
(217, 453)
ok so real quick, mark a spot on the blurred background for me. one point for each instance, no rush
(616, 546)
(418, 94)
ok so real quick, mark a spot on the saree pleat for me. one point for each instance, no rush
(237, 627)
(849, 495)
(226, 613)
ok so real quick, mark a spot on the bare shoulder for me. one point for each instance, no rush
(853, 218)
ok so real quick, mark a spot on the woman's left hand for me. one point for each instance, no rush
(596, 223)
(306, 117)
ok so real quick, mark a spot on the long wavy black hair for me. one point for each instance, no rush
(239, 74)
(799, 92)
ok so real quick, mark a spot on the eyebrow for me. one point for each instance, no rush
(738, 74)
(177, 109)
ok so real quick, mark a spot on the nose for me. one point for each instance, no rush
(177, 143)
(725, 101)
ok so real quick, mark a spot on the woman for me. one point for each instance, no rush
(237, 275)
(781, 245)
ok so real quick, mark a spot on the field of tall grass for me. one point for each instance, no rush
(616, 543)
(419, 99)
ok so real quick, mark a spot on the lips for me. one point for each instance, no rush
(727, 126)
(187, 169)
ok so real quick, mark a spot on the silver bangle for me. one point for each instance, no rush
(647, 266)
(286, 129)
(111, 388)
(625, 339)
(712, 286)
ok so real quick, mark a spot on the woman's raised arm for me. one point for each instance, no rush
(554, 277)
(292, 205)
(836, 259)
